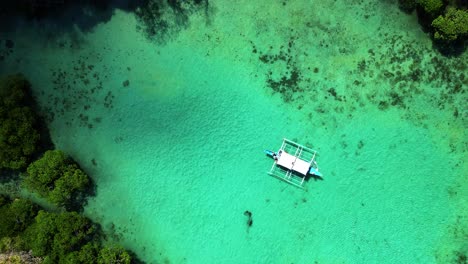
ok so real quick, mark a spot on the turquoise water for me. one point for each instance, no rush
(177, 151)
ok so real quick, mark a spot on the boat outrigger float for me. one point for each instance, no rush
(293, 163)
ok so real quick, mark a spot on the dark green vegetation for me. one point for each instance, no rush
(19, 136)
(65, 237)
(161, 20)
(407, 69)
(54, 176)
(286, 82)
(452, 25)
(17, 215)
(68, 237)
(75, 92)
(400, 68)
(56, 237)
(446, 20)
(58, 179)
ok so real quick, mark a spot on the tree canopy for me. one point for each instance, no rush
(452, 25)
(16, 216)
(19, 137)
(58, 179)
(65, 237)
(69, 237)
(431, 7)
(55, 235)
(113, 255)
(447, 21)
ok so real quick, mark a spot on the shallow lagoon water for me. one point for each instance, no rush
(173, 134)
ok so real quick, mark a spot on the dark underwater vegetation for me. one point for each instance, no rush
(44, 190)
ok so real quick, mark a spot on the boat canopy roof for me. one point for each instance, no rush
(292, 162)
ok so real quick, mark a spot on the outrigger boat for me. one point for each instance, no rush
(293, 163)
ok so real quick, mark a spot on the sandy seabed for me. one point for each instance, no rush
(173, 133)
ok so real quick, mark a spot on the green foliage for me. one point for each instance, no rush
(13, 259)
(66, 237)
(4, 200)
(18, 136)
(87, 254)
(163, 20)
(113, 255)
(6, 244)
(14, 89)
(452, 25)
(432, 7)
(70, 238)
(42, 174)
(16, 217)
(57, 178)
(73, 181)
(57, 235)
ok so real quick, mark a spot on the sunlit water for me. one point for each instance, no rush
(173, 135)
